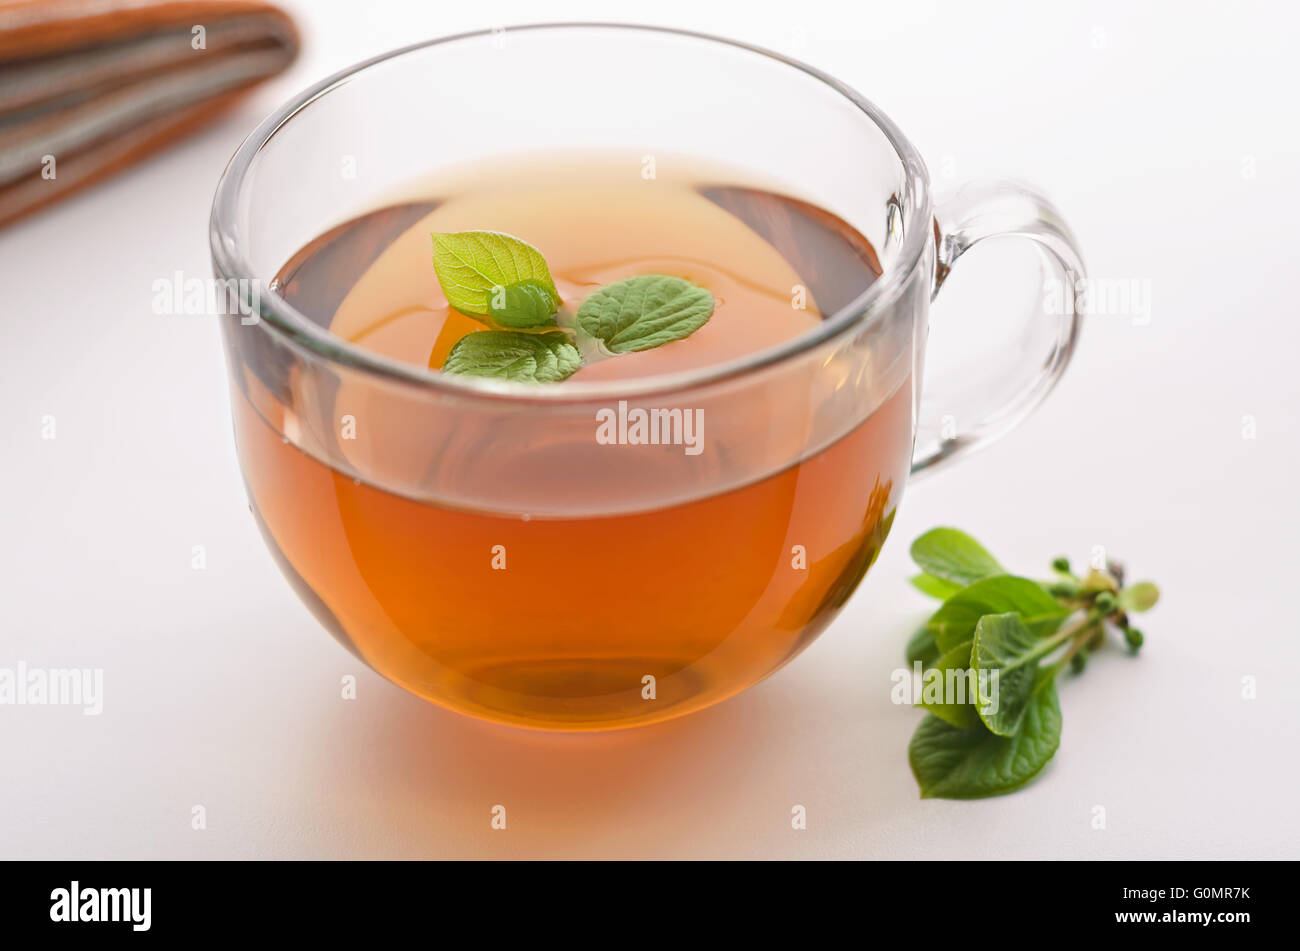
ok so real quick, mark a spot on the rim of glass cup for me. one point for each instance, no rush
(302, 333)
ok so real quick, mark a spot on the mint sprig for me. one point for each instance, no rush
(471, 264)
(510, 355)
(644, 312)
(505, 279)
(526, 304)
(952, 763)
(947, 554)
(1010, 637)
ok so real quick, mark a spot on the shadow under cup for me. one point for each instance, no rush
(481, 543)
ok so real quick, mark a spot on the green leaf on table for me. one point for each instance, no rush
(952, 555)
(509, 355)
(1139, 597)
(644, 312)
(952, 763)
(1005, 659)
(952, 671)
(933, 586)
(921, 647)
(526, 304)
(1001, 594)
(469, 264)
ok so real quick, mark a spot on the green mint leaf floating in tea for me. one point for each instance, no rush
(953, 556)
(526, 304)
(469, 264)
(496, 275)
(641, 313)
(508, 355)
(1014, 636)
(952, 763)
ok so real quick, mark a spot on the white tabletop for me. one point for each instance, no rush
(1169, 142)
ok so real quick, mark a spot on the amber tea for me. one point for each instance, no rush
(660, 550)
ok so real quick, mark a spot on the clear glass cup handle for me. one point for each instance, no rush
(970, 408)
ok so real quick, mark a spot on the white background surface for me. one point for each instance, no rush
(1144, 124)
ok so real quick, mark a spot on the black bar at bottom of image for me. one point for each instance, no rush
(90, 900)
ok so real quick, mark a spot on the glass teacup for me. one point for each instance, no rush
(477, 541)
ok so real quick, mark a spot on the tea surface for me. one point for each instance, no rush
(596, 224)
